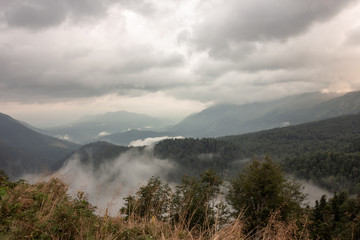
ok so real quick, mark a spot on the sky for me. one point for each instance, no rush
(60, 60)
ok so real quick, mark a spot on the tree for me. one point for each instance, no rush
(337, 218)
(260, 190)
(151, 201)
(194, 201)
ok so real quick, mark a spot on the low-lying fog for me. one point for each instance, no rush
(314, 192)
(114, 179)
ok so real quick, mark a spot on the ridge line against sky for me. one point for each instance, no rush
(60, 60)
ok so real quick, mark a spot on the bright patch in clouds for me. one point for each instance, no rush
(60, 60)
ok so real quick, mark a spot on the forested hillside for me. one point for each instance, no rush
(326, 152)
(22, 150)
(337, 134)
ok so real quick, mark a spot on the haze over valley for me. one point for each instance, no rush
(191, 119)
(123, 159)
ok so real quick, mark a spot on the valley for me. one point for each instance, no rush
(321, 150)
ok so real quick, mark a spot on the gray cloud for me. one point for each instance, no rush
(76, 73)
(199, 51)
(233, 22)
(41, 14)
(35, 15)
(145, 61)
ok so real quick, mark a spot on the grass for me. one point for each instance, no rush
(45, 211)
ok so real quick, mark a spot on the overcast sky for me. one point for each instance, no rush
(61, 59)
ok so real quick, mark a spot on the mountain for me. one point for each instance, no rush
(171, 161)
(336, 134)
(341, 134)
(225, 120)
(125, 138)
(22, 150)
(94, 127)
(338, 106)
(326, 152)
(95, 154)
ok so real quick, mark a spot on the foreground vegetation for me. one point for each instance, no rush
(260, 203)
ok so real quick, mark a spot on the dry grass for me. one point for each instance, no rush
(45, 211)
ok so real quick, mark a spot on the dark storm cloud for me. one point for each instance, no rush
(44, 76)
(232, 22)
(42, 14)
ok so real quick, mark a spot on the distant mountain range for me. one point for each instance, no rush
(221, 120)
(225, 120)
(22, 150)
(125, 138)
(95, 127)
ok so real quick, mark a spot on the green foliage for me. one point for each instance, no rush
(45, 211)
(260, 190)
(195, 156)
(151, 201)
(340, 134)
(326, 152)
(3, 177)
(337, 218)
(268, 204)
(331, 170)
(194, 204)
(95, 153)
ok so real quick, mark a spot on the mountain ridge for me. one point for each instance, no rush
(24, 150)
(233, 119)
(93, 127)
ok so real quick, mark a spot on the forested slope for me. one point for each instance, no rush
(326, 152)
(22, 150)
(337, 134)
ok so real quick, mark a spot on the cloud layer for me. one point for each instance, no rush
(202, 51)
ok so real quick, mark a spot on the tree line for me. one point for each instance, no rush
(259, 203)
(259, 194)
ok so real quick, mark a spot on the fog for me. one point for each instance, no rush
(314, 192)
(107, 184)
(114, 179)
(151, 141)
